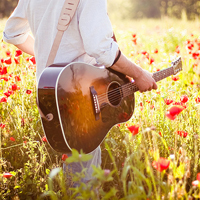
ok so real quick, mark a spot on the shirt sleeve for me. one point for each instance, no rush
(96, 31)
(17, 28)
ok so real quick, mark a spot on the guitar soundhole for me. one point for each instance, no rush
(114, 93)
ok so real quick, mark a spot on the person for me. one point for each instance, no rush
(89, 38)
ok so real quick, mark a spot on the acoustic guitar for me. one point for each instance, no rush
(79, 103)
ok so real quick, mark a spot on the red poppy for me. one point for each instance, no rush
(32, 59)
(197, 99)
(7, 175)
(17, 61)
(8, 93)
(28, 91)
(173, 111)
(175, 78)
(44, 139)
(17, 78)
(8, 53)
(198, 176)
(151, 60)
(64, 157)
(8, 61)
(184, 98)
(168, 101)
(161, 164)
(3, 71)
(18, 52)
(3, 99)
(2, 125)
(12, 139)
(4, 78)
(134, 35)
(134, 129)
(156, 51)
(14, 87)
(182, 133)
(177, 49)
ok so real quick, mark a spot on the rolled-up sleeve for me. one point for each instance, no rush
(96, 31)
(17, 28)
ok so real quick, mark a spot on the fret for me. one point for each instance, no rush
(130, 88)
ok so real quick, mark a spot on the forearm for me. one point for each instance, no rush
(27, 46)
(125, 66)
(142, 78)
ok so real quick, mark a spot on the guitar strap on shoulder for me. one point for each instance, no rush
(65, 18)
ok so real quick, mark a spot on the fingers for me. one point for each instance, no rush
(150, 87)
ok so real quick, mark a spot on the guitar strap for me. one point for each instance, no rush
(65, 18)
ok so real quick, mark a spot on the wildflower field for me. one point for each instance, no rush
(155, 155)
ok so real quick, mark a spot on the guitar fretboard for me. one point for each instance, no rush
(130, 88)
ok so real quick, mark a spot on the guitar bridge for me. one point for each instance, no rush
(95, 102)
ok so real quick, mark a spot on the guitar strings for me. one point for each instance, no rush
(129, 88)
(114, 94)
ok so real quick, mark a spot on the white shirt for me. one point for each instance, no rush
(87, 39)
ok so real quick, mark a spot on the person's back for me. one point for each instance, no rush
(41, 17)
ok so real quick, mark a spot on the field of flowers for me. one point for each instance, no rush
(155, 155)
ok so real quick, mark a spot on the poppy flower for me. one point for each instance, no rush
(17, 78)
(17, 61)
(197, 99)
(168, 101)
(177, 49)
(175, 78)
(156, 51)
(3, 99)
(64, 157)
(14, 87)
(151, 60)
(182, 133)
(3, 71)
(32, 59)
(12, 139)
(184, 99)
(18, 53)
(8, 53)
(8, 93)
(161, 164)
(7, 175)
(8, 61)
(134, 129)
(44, 139)
(28, 91)
(173, 111)
(4, 78)
(2, 125)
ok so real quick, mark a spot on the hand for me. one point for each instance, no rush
(145, 82)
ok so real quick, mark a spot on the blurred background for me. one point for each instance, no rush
(135, 9)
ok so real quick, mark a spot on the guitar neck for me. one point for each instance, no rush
(159, 75)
